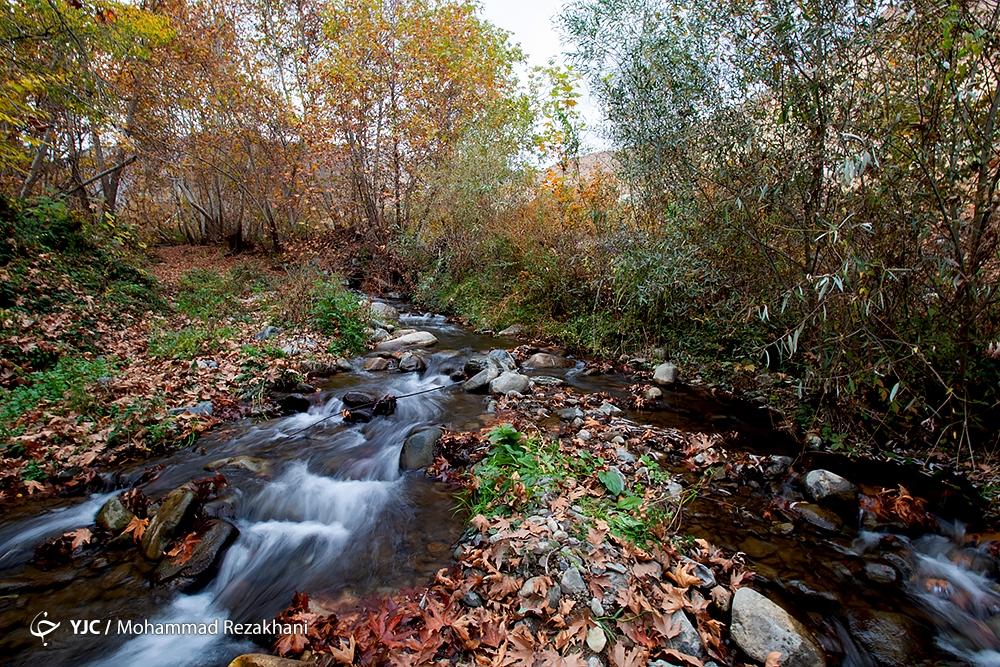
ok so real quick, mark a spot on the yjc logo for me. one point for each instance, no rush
(40, 626)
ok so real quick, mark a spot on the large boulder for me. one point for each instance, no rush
(760, 627)
(665, 374)
(409, 341)
(383, 312)
(378, 363)
(176, 507)
(892, 639)
(545, 360)
(825, 485)
(114, 516)
(509, 381)
(219, 535)
(418, 449)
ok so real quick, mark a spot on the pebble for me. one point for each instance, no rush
(572, 583)
(617, 567)
(584, 434)
(596, 639)
(596, 607)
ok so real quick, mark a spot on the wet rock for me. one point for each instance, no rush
(892, 639)
(321, 368)
(418, 449)
(824, 485)
(596, 639)
(880, 573)
(687, 640)
(548, 381)
(344, 366)
(383, 312)
(412, 363)
(219, 535)
(705, 575)
(609, 410)
(378, 364)
(545, 360)
(353, 399)
(776, 465)
(819, 517)
(572, 582)
(509, 381)
(114, 516)
(472, 599)
(569, 414)
(409, 341)
(359, 416)
(759, 627)
(176, 507)
(665, 374)
(480, 382)
(475, 365)
(653, 393)
(265, 660)
(293, 404)
(503, 359)
(514, 330)
(254, 464)
(204, 409)
(267, 332)
(380, 334)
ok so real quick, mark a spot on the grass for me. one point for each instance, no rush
(523, 470)
(338, 313)
(66, 382)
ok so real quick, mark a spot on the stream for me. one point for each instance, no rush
(327, 510)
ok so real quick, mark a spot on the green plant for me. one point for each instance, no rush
(338, 313)
(66, 382)
(207, 295)
(33, 472)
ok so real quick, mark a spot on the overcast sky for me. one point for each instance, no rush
(532, 24)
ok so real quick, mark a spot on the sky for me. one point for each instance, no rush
(532, 26)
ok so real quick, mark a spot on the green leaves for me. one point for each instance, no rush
(612, 480)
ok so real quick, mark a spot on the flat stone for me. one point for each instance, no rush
(204, 409)
(212, 542)
(880, 573)
(760, 627)
(820, 517)
(569, 414)
(572, 582)
(267, 332)
(408, 341)
(378, 364)
(480, 382)
(545, 360)
(687, 640)
(254, 464)
(265, 660)
(514, 330)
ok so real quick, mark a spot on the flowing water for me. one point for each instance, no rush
(325, 509)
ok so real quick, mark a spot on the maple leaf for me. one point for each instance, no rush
(33, 485)
(80, 537)
(521, 648)
(291, 644)
(773, 659)
(681, 574)
(182, 551)
(137, 528)
(620, 658)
